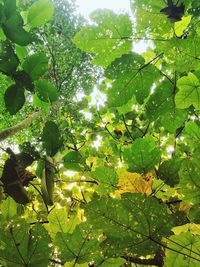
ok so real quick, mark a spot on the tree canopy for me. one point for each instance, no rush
(100, 151)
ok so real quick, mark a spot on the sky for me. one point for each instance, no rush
(87, 6)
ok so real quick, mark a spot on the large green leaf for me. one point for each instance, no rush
(46, 91)
(189, 92)
(73, 161)
(134, 224)
(25, 246)
(190, 179)
(192, 129)
(8, 208)
(161, 101)
(14, 98)
(51, 138)
(107, 180)
(36, 65)
(8, 59)
(13, 29)
(184, 250)
(168, 171)
(82, 245)
(40, 12)
(173, 120)
(9, 8)
(149, 18)
(132, 77)
(60, 223)
(108, 39)
(142, 155)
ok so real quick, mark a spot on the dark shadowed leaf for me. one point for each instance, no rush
(14, 98)
(8, 59)
(51, 138)
(13, 29)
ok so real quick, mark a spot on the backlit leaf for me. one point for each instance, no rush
(40, 12)
(108, 39)
(142, 155)
(189, 91)
(36, 65)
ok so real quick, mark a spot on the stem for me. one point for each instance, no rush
(123, 118)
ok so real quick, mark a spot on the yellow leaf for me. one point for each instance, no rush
(182, 25)
(192, 227)
(185, 207)
(134, 183)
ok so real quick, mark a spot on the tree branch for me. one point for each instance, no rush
(18, 127)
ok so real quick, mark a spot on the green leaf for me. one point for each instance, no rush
(184, 250)
(40, 12)
(14, 98)
(58, 222)
(73, 161)
(21, 51)
(51, 138)
(8, 208)
(22, 79)
(192, 129)
(107, 180)
(189, 91)
(194, 214)
(142, 155)
(46, 91)
(112, 262)
(81, 245)
(190, 180)
(8, 59)
(108, 39)
(37, 102)
(168, 171)
(9, 8)
(24, 246)
(13, 29)
(128, 223)
(131, 77)
(47, 182)
(161, 101)
(174, 119)
(36, 65)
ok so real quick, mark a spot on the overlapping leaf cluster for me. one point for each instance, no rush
(121, 188)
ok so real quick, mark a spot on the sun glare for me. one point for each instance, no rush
(87, 6)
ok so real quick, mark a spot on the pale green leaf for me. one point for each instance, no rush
(40, 12)
(184, 250)
(108, 39)
(8, 208)
(189, 92)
